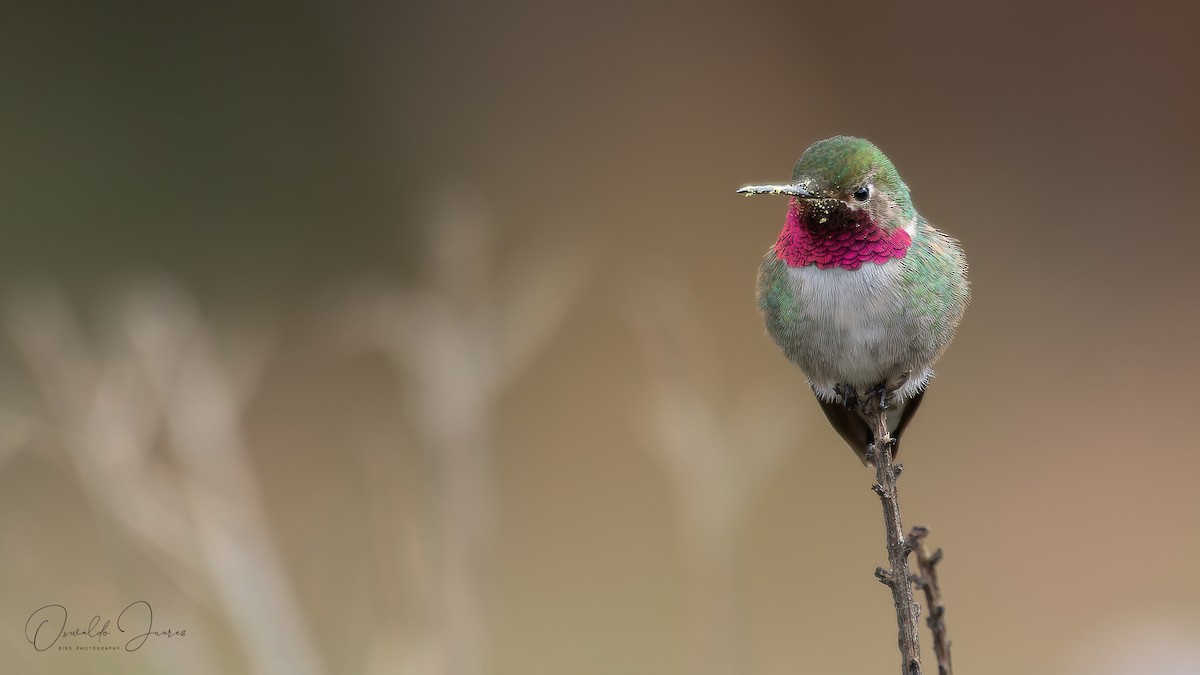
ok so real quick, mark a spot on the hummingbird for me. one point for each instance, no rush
(859, 290)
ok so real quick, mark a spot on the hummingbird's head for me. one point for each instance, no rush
(845, 181)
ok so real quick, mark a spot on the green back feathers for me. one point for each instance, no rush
(935, 280)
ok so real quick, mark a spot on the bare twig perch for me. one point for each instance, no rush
(898, 578)
(928, 582)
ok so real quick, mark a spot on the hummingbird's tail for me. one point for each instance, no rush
(857, 433)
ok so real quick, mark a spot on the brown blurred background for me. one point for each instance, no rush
(420, 338)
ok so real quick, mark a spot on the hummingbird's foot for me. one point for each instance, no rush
(849, 395)
(878, 398)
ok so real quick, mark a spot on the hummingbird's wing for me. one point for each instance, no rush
(854, 429)
(909, 408)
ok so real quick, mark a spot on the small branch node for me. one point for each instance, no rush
(885, 577)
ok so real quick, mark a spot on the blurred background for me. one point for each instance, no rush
(420, 338)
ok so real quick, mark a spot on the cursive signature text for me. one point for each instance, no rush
(48, 624)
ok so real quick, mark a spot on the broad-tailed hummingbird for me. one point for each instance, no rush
(859, 290)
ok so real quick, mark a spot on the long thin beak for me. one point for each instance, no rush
(793, 190)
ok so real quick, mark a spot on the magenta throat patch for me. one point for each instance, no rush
(847, 244)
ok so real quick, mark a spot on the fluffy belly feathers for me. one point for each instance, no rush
(844, 326)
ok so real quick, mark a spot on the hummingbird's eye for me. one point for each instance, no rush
(862, 193)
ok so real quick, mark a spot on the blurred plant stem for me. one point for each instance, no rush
(715, 456)
(455, 344)
(197, 509)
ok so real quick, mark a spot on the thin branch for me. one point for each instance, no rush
(928, 582)
(898, 578)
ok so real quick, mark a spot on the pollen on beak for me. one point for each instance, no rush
(792, 190)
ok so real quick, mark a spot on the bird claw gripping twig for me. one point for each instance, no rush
(877, 399)
(849, 396)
